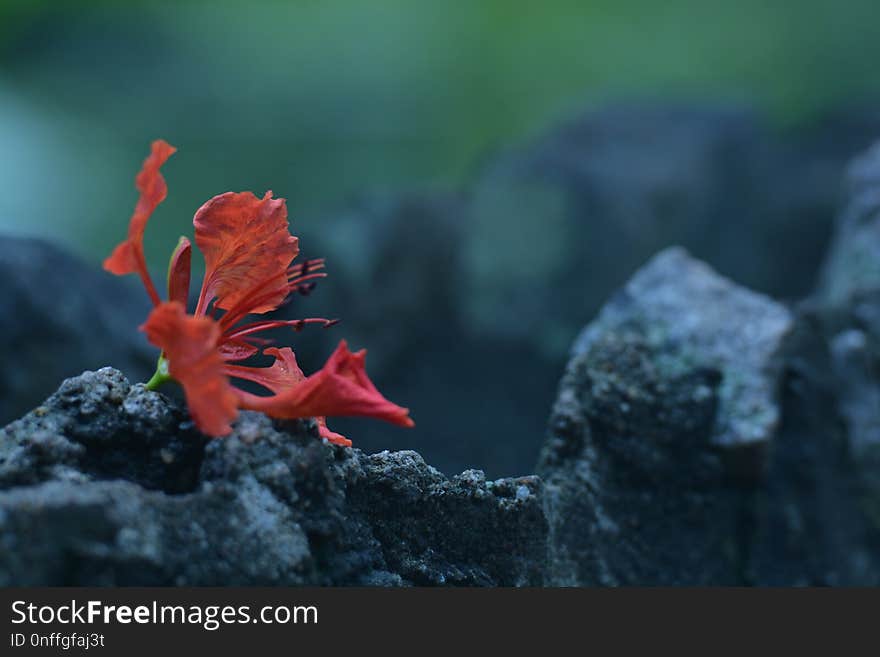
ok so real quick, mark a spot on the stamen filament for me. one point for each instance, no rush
(242, 309)
(258, 327)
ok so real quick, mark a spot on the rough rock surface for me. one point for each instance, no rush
(695, 441)
(807, 521)
(59, 317)
(108, 483)
(693, 319)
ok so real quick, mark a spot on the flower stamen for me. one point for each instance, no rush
(295, 324)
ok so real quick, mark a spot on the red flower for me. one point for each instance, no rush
(248, 253)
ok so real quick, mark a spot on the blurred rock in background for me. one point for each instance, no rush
(457, 294)
(704, 434)
(849, 302)
(58, 317)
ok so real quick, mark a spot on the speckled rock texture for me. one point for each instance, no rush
(108, 484)
(696, 440)
(692, 319)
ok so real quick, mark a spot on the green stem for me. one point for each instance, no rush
(160, 376)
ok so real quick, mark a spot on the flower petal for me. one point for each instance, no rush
(179, 272)
(282, 375)
(235, 350)
(325, 432)
(190, 345)
(128, 257)
(246, 243)
(341, 387)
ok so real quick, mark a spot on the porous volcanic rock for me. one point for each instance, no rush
(107, 483)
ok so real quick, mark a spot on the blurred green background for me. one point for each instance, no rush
(324, 100)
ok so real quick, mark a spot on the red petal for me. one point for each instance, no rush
(128, 257)
(341, 387)
(325, 432)
(190, 345)
(234, 350)
(179, 272)
(282, 375)
(246, 242)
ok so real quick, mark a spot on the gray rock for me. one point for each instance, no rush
(59, 317)
(692, 318)
(669, 394)
(635, 492)
(852, 268)
(855, 365)
(806, 522)
(109, 484)
(695, 440)
(849, 301)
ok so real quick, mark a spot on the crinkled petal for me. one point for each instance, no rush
(128, 257)
(190, 345)
(340, 388)
(246, 243)
(282, 375)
